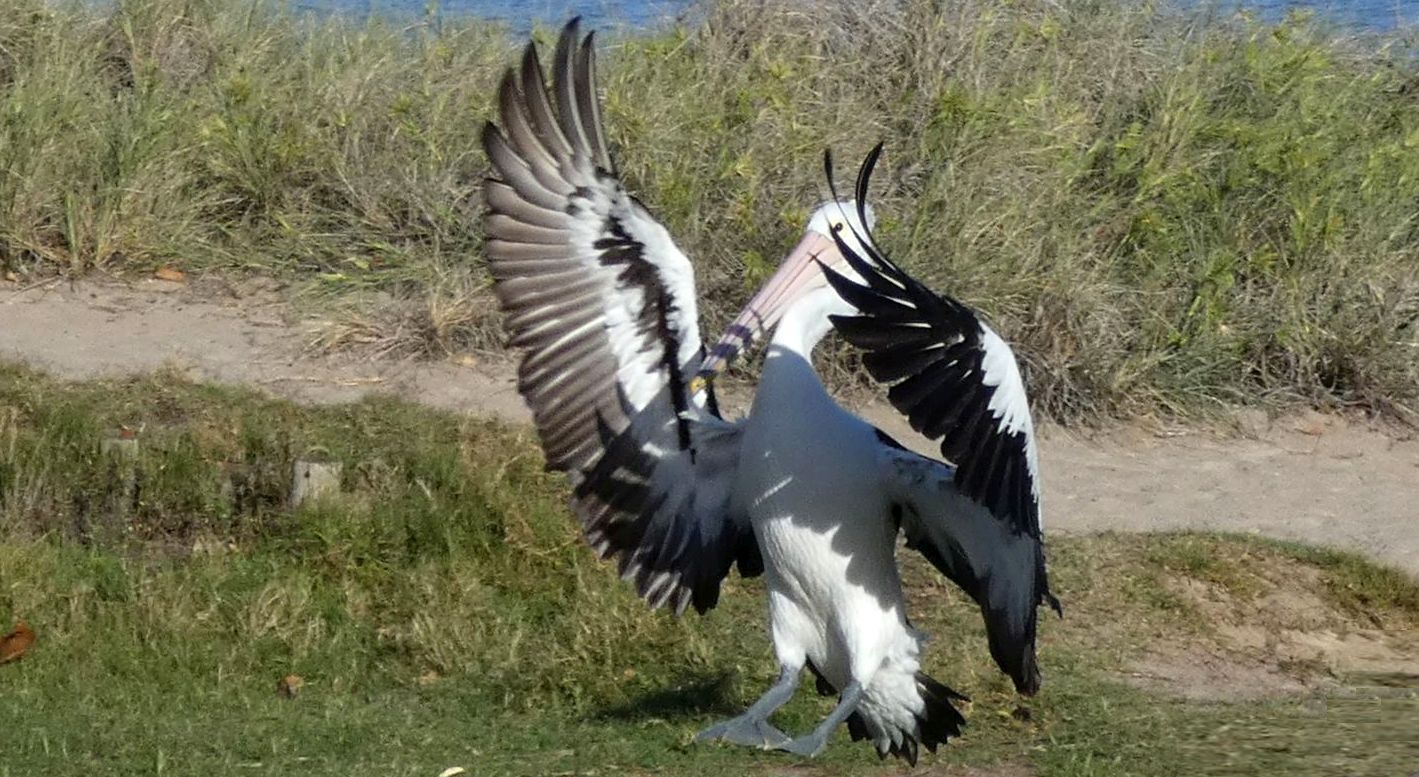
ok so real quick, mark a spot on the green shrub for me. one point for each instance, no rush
(1162, 213)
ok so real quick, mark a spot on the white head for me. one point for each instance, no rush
(798, 277)
(842, 215)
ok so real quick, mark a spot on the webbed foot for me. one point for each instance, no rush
(746, 731)
(811, 745)
(808, 746)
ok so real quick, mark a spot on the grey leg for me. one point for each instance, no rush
(753, 728)
(813, 743)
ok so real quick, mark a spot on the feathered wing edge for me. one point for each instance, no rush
(947, 371)
(956, 381)
(603, 305)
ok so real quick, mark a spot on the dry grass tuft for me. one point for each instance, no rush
(454, 315)
(1163, 213)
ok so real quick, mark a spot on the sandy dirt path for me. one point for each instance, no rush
(1316, 479)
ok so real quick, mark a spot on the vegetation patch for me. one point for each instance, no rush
(1164, 213)
(440, 610)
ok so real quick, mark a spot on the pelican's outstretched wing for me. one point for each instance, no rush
(602, 303)
(1000, 566)
(956, 381)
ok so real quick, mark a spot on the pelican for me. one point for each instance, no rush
(602, 304)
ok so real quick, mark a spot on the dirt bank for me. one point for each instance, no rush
(1316, 479)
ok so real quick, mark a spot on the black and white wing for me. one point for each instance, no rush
(956, 381)
(602, 304)
(992, 560)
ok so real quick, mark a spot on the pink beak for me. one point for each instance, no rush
(798, 275)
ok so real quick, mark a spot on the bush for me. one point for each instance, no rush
(1163, 213)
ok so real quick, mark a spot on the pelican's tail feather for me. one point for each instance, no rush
(901, 729)
(940, 720)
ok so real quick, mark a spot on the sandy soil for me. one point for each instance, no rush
(1289, 640)
(1315, 478)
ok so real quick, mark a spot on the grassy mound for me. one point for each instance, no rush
(1162, 213)
(442, 611)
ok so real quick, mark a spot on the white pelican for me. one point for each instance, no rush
(603, 305)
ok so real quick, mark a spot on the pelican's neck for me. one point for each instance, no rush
(806, 322)
(789, 379)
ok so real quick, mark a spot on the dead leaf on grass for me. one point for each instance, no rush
(289, 686)
(14, 645)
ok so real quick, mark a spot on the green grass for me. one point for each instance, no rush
(443, 611)
(1163, 214)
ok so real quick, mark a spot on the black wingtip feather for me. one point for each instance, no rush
(529, 56)
(864, 179)
(493, 134)
(572, 29)
(590, 107)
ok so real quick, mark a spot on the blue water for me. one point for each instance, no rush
(520, 15)
(1371, 15)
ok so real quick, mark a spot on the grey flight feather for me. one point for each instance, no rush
(602, 303)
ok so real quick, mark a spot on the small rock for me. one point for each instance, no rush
(314, 479)
(1252, 422)
(1313, 423)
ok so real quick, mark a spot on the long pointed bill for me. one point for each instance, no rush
(798, 275)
